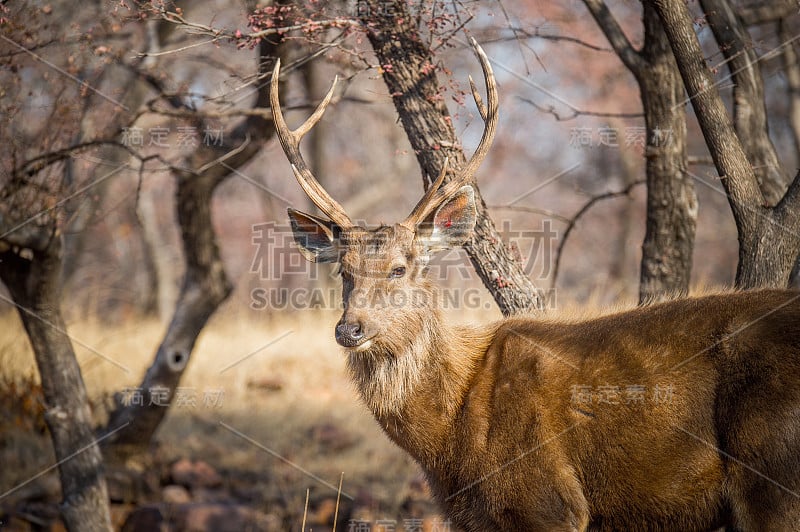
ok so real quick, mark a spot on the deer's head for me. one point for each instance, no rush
(386, 293)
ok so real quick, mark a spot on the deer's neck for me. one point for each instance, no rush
(416, 389)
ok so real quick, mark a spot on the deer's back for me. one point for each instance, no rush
(642, 418)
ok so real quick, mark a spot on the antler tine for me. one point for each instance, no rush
(477, 97)
(437, 193)
(422, 208)
(290, 141)
(488, 113)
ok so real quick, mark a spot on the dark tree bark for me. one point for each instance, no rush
(749, 106)
(32, 277)
(768, 236)
(671, 201)
(413, 85)
(777, 12)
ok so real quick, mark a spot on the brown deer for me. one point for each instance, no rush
(683, 415)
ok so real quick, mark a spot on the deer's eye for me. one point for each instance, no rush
(398, 272)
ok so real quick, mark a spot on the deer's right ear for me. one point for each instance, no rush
(314, 236)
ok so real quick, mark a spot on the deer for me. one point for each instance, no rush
(546, 423)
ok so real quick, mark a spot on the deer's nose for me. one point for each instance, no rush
(349, 334)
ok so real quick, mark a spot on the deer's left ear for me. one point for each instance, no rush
(451, 224)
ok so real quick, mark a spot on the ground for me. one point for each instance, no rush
(266, 414)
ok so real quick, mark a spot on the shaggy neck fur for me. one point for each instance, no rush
(414, 389)
(388, 372)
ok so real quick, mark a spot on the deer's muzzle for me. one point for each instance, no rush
(350, 334)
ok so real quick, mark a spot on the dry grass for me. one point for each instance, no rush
(288, 392)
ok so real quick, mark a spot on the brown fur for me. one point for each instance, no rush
(491, 413)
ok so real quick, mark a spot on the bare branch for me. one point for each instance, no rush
(583, 210)
(261, 112)
(613, 32)
(537, 34)
(749, 107)
(700, 161)
(517, 36)
(577, 112)
(42, 161)
(251, 38)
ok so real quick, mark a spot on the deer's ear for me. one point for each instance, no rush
(315, 237)
(452, 223)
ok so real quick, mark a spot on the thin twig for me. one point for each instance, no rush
(532, 210)
(577, 112)
(536, 34)
(338, 497)
(195, 28)
(305, 512)
(40, 162)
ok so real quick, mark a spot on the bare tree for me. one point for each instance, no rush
(35, 183)
(767, 233)
(42, 177)
(30, 267)
(205, 285)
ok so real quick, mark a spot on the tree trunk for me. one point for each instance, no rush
(768, 236)
(205, 285)
(621, 252)
(160, 296)
(671, 201)
(749, 107)
(34, 284)
(668, 244)
(204, 288)
(771, 255)
(412, 82)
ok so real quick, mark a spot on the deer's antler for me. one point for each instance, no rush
(290, 140)
(437, 193)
